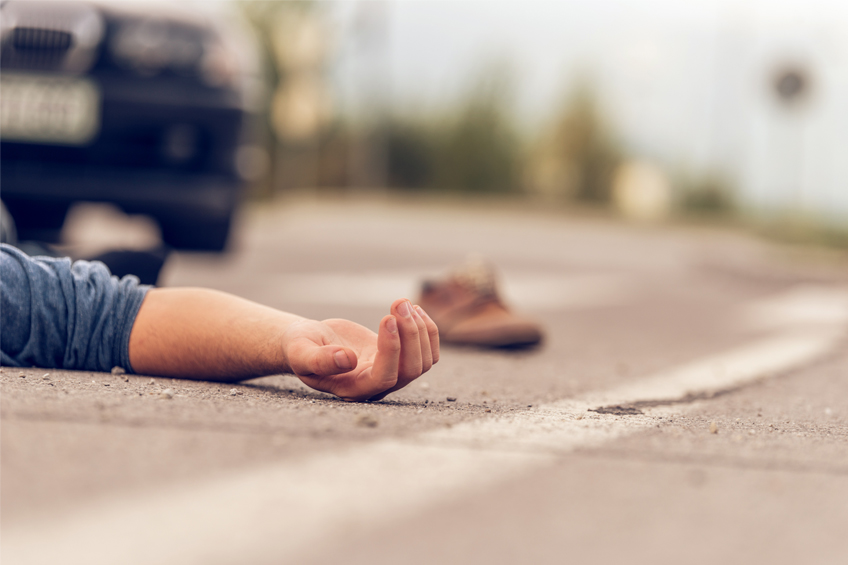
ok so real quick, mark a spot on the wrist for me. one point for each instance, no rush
(295, 327)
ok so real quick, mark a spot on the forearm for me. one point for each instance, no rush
(206, 334)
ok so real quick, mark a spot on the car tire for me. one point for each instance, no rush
(196, 234)
(37, 221)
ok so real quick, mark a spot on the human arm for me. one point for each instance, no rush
(205, 334)
(58, 314)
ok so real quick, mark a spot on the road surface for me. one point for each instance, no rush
(689, 404)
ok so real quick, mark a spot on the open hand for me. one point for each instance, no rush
(352, 362)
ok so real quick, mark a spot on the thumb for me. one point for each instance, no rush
(308, 358)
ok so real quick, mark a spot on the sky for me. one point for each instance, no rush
(686, 84)
(437, 47)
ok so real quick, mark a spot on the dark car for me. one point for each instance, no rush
(143, 108)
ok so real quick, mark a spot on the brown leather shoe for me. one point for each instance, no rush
(468, 311)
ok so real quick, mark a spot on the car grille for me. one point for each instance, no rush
(40, 39)
(37, 48)
(41, 36)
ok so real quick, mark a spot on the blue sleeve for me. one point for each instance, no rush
(61, 315)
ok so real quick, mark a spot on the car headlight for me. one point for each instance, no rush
(149, 46)
(218, 66)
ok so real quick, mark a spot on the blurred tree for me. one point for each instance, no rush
(258, 14)
(576, 157)
(411, 154)
(479, 150)
(706, 195)
(261, 14)
(295, 45)
(473, 148)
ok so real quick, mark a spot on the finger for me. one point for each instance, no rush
(308, 358)
(384, 372)
(424, 340)
(410, 363)
(376, 381)
(432, 331)
(410, 344)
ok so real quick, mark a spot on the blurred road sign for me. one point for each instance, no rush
(791, 84)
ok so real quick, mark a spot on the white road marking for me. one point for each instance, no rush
(802, 306)
(553, 427)
(734, 368)
(526, 291)
(279, 512)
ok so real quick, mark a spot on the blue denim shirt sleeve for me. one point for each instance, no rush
(58, 314)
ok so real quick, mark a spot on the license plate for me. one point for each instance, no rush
(41, 109)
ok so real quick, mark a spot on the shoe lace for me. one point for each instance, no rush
(477, 275)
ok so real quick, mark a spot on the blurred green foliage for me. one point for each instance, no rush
(478, 149)
(262, 16)
(577, 154)
(705, 195)
(587, 143)
(798, 228)
(473, 148)
(411, 154)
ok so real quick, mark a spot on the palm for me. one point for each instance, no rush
(344, 333)
(354, 363)
(360, 339)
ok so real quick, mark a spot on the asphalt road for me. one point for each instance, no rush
(690, 404)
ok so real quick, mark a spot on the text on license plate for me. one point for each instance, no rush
(40, 109)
